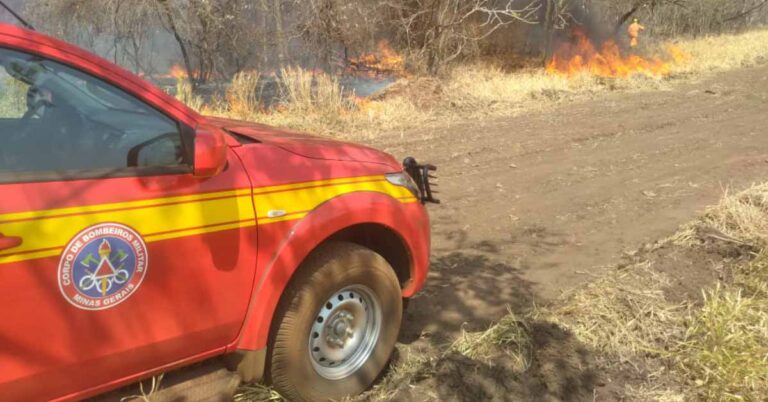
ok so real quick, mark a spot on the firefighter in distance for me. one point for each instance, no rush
(634, 32)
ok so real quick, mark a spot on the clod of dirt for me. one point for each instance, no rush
(422, 91)
(715, 241)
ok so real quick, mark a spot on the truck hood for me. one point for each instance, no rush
(306, 145)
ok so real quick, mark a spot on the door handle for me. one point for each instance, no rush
(7, 242)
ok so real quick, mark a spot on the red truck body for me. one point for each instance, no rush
(205, 259)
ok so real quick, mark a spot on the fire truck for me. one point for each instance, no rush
(138, 236)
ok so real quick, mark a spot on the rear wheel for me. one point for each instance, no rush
(337, 326)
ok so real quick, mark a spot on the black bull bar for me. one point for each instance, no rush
(421, 175)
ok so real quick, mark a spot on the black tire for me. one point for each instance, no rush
(335, 266)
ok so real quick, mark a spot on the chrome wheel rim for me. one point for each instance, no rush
(345, 331)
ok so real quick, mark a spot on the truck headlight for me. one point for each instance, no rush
(403, 179)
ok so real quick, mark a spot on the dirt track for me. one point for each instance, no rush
(537, 204)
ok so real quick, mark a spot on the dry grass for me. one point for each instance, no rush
(625, 315)
(725, 352)
(242, 97)
(510, 334)
(146, 393)
(305, 91)
(185, 94)
(742, 217)
(724, 52)
(257, 393)
(486, 90)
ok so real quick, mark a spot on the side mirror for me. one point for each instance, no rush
(162, 151)
(210, 151)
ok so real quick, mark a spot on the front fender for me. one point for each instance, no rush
(284, 245)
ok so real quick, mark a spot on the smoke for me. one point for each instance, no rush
(556, 28)
(585, 16)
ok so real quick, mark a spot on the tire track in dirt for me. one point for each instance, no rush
(536, 204)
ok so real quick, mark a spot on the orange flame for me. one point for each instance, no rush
(178, 72)
(384, 61)
(582, 56)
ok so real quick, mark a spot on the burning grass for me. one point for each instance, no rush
(316, 102)
(580, 55)
(385, 61)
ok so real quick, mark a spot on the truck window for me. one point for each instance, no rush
(56, 119)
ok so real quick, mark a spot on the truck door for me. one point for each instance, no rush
(114, 260)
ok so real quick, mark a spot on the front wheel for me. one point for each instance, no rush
(337, 326)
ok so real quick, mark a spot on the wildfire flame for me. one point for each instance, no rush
(178, 72)
(581, 55)
(385, 61)
(175, 71)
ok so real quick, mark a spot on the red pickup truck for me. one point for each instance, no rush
(137, 236)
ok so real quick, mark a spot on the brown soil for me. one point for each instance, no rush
(538, 204)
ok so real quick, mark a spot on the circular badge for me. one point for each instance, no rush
(102, 266)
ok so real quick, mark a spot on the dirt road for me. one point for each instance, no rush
(537, 204)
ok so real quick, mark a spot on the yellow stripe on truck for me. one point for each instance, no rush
(297, 203)
(46, 232)
(163, 219)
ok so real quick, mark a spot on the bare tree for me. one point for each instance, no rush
(440, 31)
(214, 37)
(121, 30)
(685, 17)
(282, 47)
(332, 27)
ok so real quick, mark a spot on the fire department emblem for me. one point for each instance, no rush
(102, 266)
